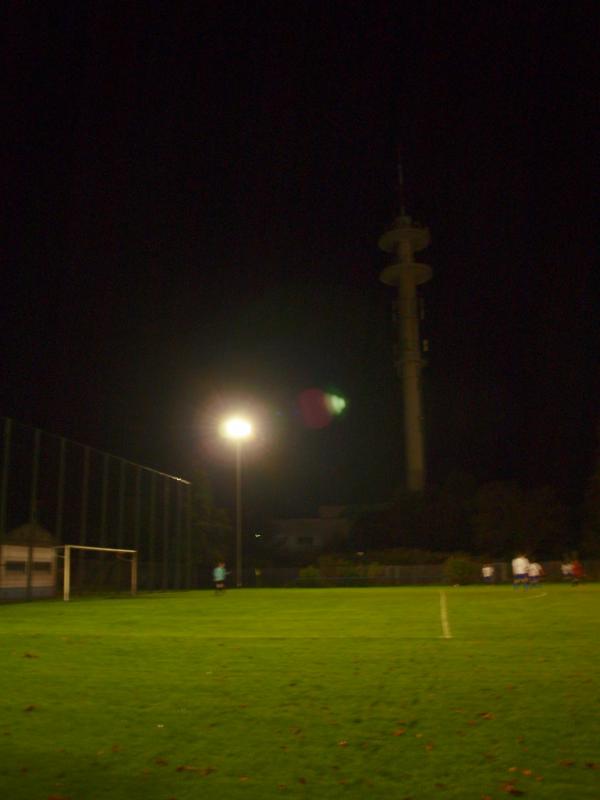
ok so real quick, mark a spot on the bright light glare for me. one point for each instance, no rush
(237, 428)
(335, 403)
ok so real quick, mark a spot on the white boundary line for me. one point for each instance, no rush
(446, 633)
(537, 596)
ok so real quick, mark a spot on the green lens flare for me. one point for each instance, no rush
(335, 403)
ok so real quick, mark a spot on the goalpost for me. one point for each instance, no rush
(67, 568)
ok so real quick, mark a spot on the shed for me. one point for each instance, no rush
(27, 564)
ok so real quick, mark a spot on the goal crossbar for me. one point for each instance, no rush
(67, 566)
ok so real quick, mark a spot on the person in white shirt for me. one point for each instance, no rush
(567, 570)
(520, 569)
(487, 573)
(535, 572)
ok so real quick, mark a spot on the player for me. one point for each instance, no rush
(487, 573)
(219, 575)
(534, 573)
(520, 569)
(567, 570)
(577, 572)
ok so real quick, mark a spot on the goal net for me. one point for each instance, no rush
(98, 570)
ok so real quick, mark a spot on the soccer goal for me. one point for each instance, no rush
(126, 555)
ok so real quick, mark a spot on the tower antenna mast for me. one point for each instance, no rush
(404, 240)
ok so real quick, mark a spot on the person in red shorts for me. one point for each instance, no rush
(577, 572)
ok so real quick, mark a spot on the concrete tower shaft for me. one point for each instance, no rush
(404, 240)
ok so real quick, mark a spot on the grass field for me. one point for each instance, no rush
(323, 693)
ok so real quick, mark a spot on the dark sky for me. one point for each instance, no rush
(193, 195)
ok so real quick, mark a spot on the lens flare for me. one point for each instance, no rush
(335, 404)
(313, 408)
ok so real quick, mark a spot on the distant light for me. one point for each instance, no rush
(257, 535)
(335, 403)
(237, 428)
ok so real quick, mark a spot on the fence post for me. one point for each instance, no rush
(178, 541)
(121, 519)
(85, 489)
(35, 473)
(60, 492)
(152, 534)
(165, 549)
(85, 492)
(188, 529)
(137, 507)
(5, 470)
(104, 499)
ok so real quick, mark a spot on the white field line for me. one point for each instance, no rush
(537, 596)
(446, 633)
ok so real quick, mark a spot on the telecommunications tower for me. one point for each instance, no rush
(404, 240)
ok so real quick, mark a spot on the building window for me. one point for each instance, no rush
(15, 566)
(42, 566)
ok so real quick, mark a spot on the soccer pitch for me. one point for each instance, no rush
(396, 693)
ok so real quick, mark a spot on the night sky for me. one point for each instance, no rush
(193, 194)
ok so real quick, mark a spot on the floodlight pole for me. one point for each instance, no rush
(238, 512)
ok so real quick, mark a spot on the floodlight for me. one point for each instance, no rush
(237, 428)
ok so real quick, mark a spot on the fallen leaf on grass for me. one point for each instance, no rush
(162, 762)
(510, 788)
(487, 715)
(30, 655)
(400, 732)
(30, 708)
(199, 770)
(282, 786)
(429, 746)
(301, 780)
(116, 748)
(244, 778)
(527, 772)
(592, 765)
(513, 769)
(343, 743)
(566, 763)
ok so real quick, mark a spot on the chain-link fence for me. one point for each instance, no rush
(388, 575)
(56, 491)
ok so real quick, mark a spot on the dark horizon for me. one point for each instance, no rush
(193, 207)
